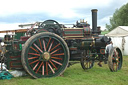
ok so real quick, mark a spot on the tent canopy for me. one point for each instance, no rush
(119, 31)
(119, 38)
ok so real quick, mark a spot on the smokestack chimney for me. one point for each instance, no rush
(94, 21)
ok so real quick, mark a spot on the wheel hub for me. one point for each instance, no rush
(46, 56)
(117, 59)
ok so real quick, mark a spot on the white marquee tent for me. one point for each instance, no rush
(119, 38)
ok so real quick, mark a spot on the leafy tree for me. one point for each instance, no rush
(119, 18)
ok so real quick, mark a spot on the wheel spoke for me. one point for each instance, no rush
(34, 61)
(50, 46)
(34, 49)
(32, 58)
(58, 54)
(56, 62)
(55, 51)
(55, 47)
(53, 64)
(48, 42)
(90, 63)
(113, 67)
(116, 66)
(56, 58)
(36, 65)
(87, 65)
(38, 48)
(39, 67)
(43, 69)
(34, 54)
(40, 44)
(44, 45)
(46, 68)
(51, 68)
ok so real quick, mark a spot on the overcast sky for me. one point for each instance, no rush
(14, 12)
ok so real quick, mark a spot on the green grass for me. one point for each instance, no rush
(75, 75)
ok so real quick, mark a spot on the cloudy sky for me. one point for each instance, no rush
(15, 12)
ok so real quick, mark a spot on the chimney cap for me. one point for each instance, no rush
(94, 10)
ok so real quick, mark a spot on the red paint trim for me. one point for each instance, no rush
(24, 38)
(15, 56)
(15, 65)
(72, 48)
(42, 30)
(102, 50)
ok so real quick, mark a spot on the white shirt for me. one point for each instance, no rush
(108, 48)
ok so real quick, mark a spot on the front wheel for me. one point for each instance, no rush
(115, 59)
(45, 55)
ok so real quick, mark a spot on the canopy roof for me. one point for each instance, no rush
(118, 31)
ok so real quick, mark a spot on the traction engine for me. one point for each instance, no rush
(46, 49)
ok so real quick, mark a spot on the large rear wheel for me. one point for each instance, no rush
(45, 55)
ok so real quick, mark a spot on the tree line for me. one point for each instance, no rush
(119, 18)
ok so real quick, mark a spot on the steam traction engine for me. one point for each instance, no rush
(46, 48)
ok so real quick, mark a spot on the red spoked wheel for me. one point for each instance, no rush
(45, 55)
(115, 59)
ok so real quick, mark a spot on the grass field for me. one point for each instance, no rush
(75, 75)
